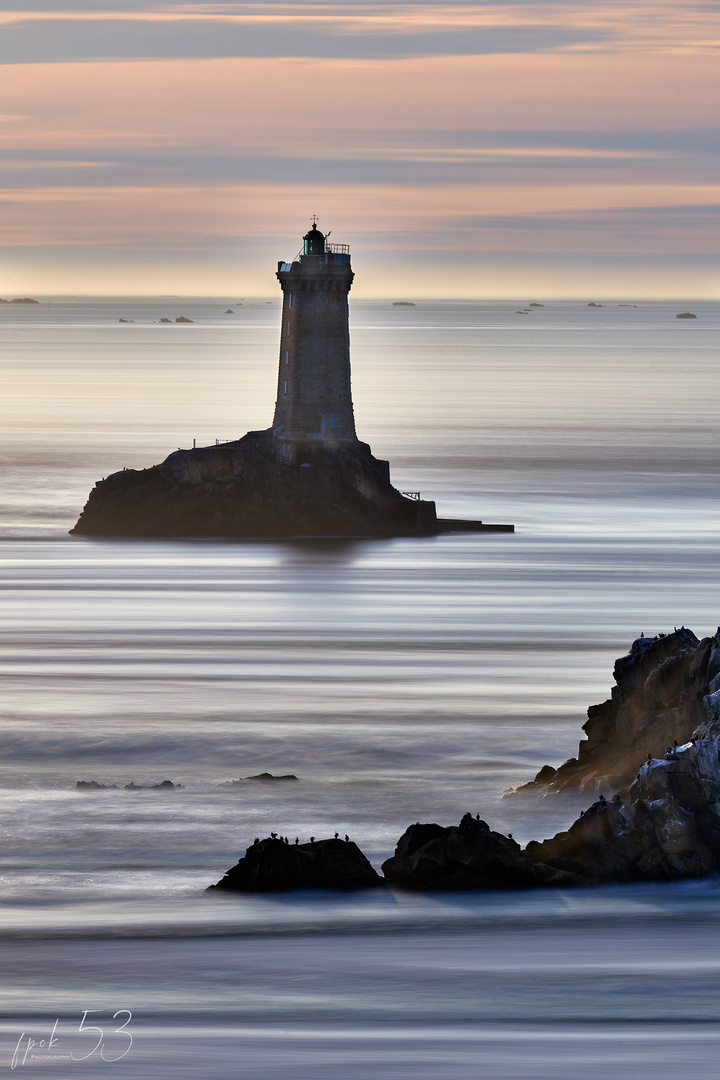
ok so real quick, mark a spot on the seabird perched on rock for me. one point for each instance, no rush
(312, 839)
(347, 838)
(297, 839)
(603, 799)
(337, 834)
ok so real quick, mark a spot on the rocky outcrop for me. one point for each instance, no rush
(258, 778)
(657, 700)
(256, 487)
(273, 865)
(465, 856)
(94, 785)
(686, 315)
(668, 828)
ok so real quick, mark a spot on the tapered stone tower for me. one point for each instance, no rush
(314, 399)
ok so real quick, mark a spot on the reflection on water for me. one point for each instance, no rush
(400, 680)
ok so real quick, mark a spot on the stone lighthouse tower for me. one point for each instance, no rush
(314, 400)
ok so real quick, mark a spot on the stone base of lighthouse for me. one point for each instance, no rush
(257, 487)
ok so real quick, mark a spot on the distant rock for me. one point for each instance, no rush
(658, 697)
(403, 303)
(164, 785)
(271, 866)
(259, 778)
(522, 312)
(126, 320)
(593, 304)
(181, 318)
(166, 320)
(536, 305)
(93, 785)
(229, 311)
(465, 856)
(24, 300)
(686, 315)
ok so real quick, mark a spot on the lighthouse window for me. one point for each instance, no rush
(287, 357)
(290, 302)
(285, 387)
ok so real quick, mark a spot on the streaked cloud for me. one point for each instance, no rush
(130, 31)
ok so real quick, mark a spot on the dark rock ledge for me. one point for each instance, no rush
(274, 865)
(260, 487)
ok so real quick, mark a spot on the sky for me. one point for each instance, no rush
(462, 149)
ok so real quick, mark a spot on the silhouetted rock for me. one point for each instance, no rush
(92, 785)
(164, 785)
(593, 304)
(259, 778)
(686, 315)
(257, 487)
(166, 320)
(271, 866)
(536, 305)
(465, 856)
(658, 697)
(229, 311)
(24, 300)
(181, 318)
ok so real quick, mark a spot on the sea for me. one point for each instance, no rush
(400, 680)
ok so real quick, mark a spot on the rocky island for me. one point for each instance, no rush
(306, 475)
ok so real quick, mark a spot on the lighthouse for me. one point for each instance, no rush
(306, 476)
(314, 399)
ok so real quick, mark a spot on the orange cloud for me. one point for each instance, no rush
(291, 104)
(177, 216)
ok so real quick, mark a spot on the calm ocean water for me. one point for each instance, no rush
(400, 680)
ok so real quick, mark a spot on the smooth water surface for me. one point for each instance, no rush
(400, 680)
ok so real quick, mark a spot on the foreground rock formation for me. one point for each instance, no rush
(257, 487)
(663, 825)
(273, 865)
(657, 700)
